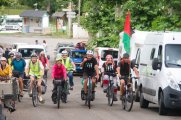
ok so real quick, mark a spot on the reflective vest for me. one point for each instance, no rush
(9, 61)
(34, 68)
(68, 64)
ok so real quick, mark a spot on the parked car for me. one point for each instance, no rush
(160, 68)
(64, 44)
(15, 46)
(77, 57)
(59, 50)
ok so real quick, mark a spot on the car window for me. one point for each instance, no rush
(104, 53)
(76, 54)
(26, 52)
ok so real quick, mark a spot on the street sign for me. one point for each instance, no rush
(71, 16)
(71, 13)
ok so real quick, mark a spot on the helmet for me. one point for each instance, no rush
(109, 56)
(3, 58)
(90, 52)
(42, 53)
(64, 52)
(11, 53)
(34, 55)
(18, 54)
(125, 55)
(58, 58)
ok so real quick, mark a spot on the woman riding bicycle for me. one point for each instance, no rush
(58, 73)
(109, 69)
(5, 76)
(45, 63)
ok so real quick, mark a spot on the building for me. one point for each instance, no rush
(35, 21)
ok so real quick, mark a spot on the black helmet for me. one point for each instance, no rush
(34, 55)
(125, 55)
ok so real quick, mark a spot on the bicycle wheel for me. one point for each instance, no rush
(112, 95)
(35, 96)
(58, 96)
(129, 98)
(89, 95)
(19, 98)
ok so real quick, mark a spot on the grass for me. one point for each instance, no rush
(12, 11)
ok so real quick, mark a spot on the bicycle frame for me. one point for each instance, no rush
(89, 95)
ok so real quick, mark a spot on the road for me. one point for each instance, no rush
(75, 109)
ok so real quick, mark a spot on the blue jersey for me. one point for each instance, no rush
(19, 65)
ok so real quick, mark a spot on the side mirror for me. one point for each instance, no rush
(48, 56)
(133, 63)
(156, 64)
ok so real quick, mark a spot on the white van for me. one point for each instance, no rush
(137, 42)
(100, 54)
(160, 69)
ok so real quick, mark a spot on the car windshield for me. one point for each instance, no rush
(109, 52)
(76, 54)
(61, 49)
(26, 52)
(172, 55)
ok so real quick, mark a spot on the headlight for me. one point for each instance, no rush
(173, 84)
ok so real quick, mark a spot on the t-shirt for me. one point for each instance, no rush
(89, 65)
(109, 68)
(18, 65)
(125, 68)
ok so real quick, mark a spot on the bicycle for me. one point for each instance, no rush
(89, 96)
(61, 92)
(128, 97)
(2, 116)
(110, 89)
(35, 92)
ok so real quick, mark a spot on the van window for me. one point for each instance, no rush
(104, 53)
(138, 56)
(173, 55)
(160, 53)
(152, 54)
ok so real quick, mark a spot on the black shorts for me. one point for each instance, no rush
(18, 74)
(85, 75)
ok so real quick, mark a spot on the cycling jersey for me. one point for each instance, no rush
(59, 72)
(125, 67)
(89, 66)
(18, 65)
(109, 68)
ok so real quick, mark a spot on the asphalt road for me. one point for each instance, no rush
(75, 109)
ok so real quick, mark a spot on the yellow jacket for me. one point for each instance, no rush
(6, 72)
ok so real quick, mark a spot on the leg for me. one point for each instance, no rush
(122, 82)
(31, 83)
(115, 88)
(93, 83)
(70, 75)
(39, 87)
(21, 85)
(85, 85)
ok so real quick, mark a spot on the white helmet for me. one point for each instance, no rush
(64, 52)
(90, 52)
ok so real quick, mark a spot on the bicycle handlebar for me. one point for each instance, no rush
(123, 77)
(110, 74)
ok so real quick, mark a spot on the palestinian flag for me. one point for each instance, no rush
(127, 33)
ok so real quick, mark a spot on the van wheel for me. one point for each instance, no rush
(162, 109)
(143, 103)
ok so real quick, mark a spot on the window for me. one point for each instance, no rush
(152, 54)
(138, 56)
(160, 53)
(104, 53)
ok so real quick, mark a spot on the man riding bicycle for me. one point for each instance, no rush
(45, 63)
(70, 67)
(58, 73)
(90, 68)
(109, 69)
(123, 70)
(35, 70)
(5, 76)
(18, 64)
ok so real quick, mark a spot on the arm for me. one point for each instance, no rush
(136, 72)
(41, 68)
(82, 63)
(73, 65)
(10, 71)
(53, 72)
(97, 69)
(118, 71)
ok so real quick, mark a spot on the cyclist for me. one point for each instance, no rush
(18, 64)
(123, 69)
(45, 63)
(11, 57)
(35, 70)
(70, 67)
(109, 67)
(90, 68)
(58, 73)
(5, 76)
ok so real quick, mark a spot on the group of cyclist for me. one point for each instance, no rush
(63, 68)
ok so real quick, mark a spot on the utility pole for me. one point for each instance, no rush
(79, 12)
(70, 21)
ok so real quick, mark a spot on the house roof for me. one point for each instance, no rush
(58, 14)
(33, 13)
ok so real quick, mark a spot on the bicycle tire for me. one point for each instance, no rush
(108, 95)
(19, 98)
(112, 95)
(129, 98)
(58, 96)
(35, 95)
(89, 94)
